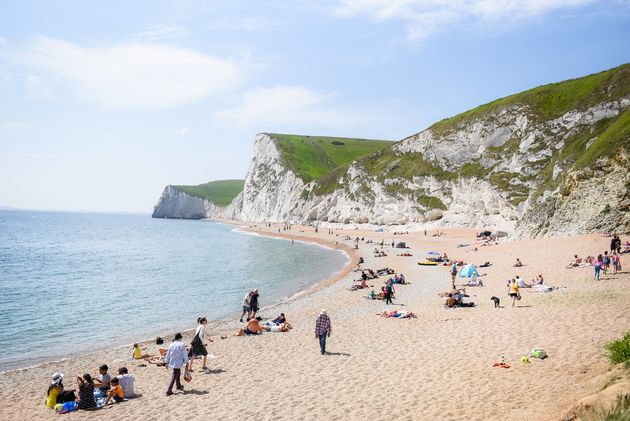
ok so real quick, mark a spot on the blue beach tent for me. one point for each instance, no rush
(468, 271)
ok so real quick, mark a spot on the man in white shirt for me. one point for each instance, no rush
(126, 382)
(176, 358)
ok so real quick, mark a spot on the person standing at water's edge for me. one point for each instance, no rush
(176, 358)
(247, 305)
(253, 304)
(323, 329)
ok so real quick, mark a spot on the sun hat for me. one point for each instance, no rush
(56, 378)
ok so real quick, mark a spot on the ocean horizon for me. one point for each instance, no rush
(74, 282)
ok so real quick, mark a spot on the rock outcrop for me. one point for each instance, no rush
(552, 160)
(177, 204)
(515, 164)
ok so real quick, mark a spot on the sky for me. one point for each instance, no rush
(102, 104)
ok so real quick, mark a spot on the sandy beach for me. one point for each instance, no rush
(436, 366)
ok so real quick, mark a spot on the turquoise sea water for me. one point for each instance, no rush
(74, 282)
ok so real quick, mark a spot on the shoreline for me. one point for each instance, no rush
(576, 319)
(217, 324)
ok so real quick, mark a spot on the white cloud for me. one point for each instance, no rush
(257, 23)
(3, 41)
(157, 33)
(425, 17)
(184, 131)
(132, 75)
(288, 106)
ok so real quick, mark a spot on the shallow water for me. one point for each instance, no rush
(73, 282)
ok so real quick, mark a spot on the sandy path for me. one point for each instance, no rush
(438, 366)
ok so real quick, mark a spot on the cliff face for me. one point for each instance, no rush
(527, 163)
(177, 204)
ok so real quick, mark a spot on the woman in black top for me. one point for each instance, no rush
(86, 392)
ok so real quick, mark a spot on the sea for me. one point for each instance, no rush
(71, 283)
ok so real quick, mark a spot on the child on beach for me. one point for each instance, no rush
(137, 353)
(115, 392)
(598, 267)
(103, 382)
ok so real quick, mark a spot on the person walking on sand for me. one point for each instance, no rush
(247, 309)
(453, 273)
(197, 345)
(598, 266)
(513, 291)
(323, 329)
(176, 358)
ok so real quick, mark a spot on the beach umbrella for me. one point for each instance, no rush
(433, 253)
(379, 229)
(468, 271)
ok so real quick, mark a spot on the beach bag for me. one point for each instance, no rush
(539, 353)
(518, 296)
(66, 396)
(187, 375)
(64, 408)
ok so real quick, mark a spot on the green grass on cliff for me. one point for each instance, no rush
(616, 137)
(551, 101)
(220, 192)
(311, 157)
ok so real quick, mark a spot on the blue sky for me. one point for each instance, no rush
(104, 103)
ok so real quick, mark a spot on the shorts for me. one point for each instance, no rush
(513, 294)
(117, 398)
(246, 309)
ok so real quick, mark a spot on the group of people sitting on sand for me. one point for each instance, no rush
(379, 253)
(255, 327)
(457, 298)
(93, 392)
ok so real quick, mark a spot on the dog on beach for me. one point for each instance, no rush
(497, 301)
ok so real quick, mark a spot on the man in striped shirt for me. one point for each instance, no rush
(322, 330)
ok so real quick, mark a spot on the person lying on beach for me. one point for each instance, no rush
(253, 327)
(485, 265)
(457, 301)
(371, 274)
(453, 292)
(397, 314)
(385, 271)
(272, 327)
(115, 393)
(406, 255)
(518, 263)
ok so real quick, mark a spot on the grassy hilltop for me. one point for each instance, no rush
(219, 192)
(311, 157)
